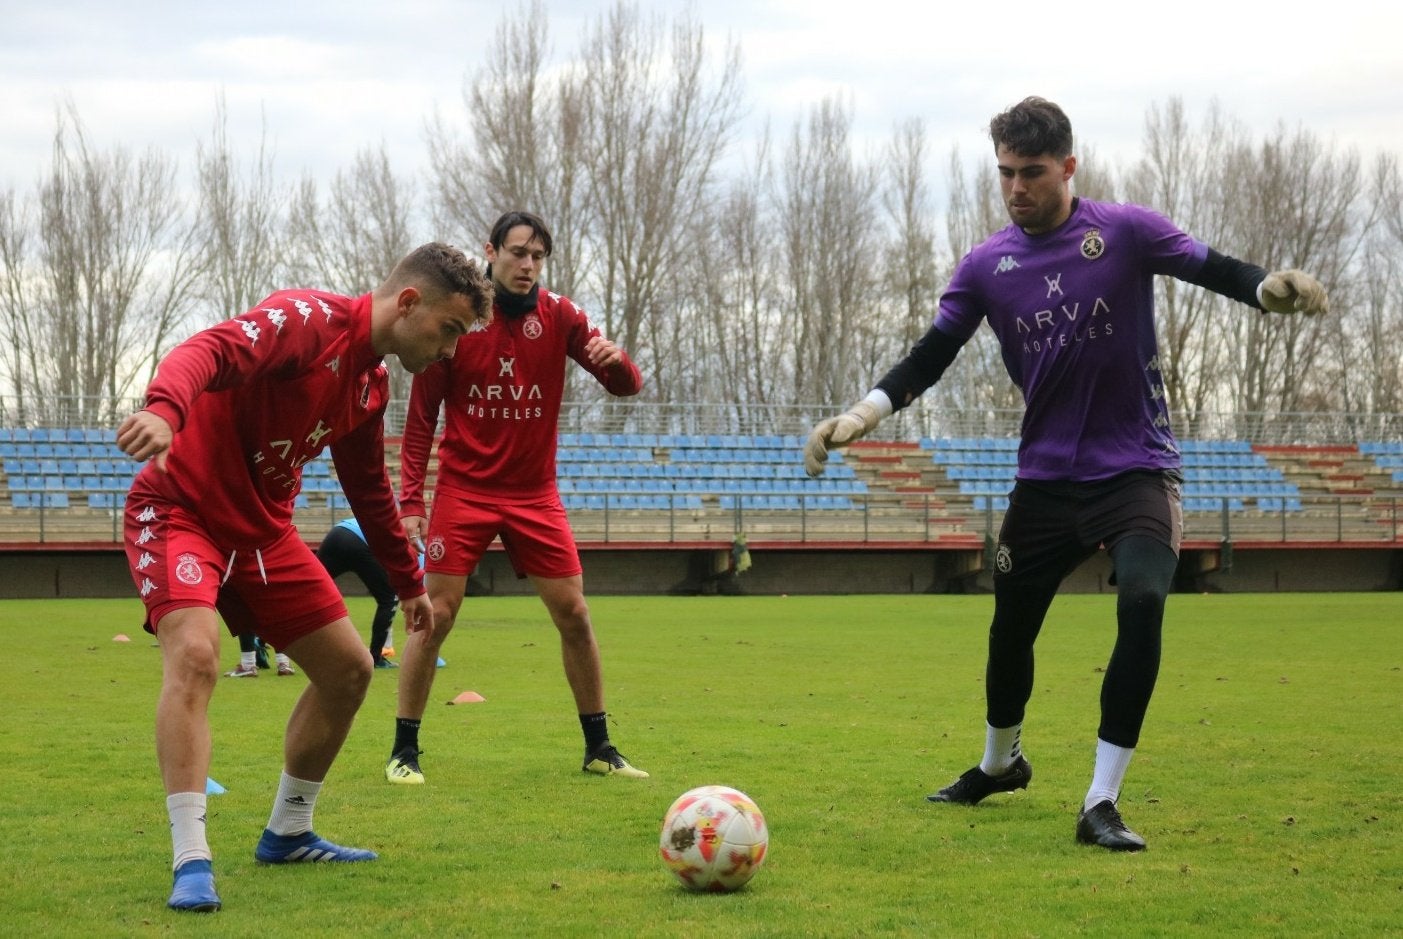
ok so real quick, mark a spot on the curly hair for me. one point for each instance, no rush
(1032, 127)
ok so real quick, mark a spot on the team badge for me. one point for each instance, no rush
(187, 570)
(532, 328)
(435, 550)
(1003, 559)
(1092, 246)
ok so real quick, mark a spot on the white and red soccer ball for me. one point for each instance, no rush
(714, 838)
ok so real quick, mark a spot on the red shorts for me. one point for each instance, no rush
(280, 592)
(537, 536)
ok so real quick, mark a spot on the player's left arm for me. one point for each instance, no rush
(360, 467)
(1286, 291)
(601, 356)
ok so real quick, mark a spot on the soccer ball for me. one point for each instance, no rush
(714, 838)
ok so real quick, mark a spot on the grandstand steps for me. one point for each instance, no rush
(899, 467)
(1335, 470)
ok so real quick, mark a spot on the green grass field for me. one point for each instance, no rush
(1266, 780)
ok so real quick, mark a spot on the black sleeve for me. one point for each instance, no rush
(1230, 277)
(922, 367)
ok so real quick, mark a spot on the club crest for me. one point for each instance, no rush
(1003, 559)
(1092, 245)
(187, 570)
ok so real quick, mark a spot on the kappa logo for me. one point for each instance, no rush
(187, 570)
(506, 367)
(532, 327)
(145, 561)
(146, 535)
(1003, 559)
(435, 550)
(147, 585)
(334, 364)
(251, 330)
(1006, 264)
(148, 514)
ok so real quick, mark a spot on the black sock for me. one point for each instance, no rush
(596, 731)
(406, 734)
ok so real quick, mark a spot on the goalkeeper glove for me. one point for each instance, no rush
(1292, 292)
(852, 424)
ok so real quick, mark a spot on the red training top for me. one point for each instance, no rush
(503, 389)
(253, 399)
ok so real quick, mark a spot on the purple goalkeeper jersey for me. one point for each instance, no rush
(1073, 310)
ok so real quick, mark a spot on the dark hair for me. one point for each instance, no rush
(1032, 127)
(511, 220)
(440, 270)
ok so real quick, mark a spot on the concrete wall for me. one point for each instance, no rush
(78, 573)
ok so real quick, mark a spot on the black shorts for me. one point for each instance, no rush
(1051, 527)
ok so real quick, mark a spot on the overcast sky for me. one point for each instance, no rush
(328, 79)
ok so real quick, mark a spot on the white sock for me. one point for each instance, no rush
(1111, 763)
(282, 659)
(187, 818)
(292, 809)
(1002, 745)
(247, 660)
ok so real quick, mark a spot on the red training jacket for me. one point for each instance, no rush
(503, 390)
(253, 399)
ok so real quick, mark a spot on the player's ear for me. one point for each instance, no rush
(408, 299)
(1069, 168)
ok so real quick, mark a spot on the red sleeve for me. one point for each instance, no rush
(360, 467)
(265, 339)
(621, 380)
(420, 421)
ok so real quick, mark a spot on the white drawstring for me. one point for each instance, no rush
(258, 553)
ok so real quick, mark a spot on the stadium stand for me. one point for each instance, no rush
(670, 487)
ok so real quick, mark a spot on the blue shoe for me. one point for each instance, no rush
(304, 848)
(193, 888)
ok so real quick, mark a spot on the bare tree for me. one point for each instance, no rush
(114, 264)
(656, 127)
(348, 242)
(827, 205)
(978, 378)
(1296, 204)
(19, 343)
(239, 222)
(1178, 176)
(908, 204)
(1373, 379)
(524, 148)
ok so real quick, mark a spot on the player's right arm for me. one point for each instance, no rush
(904, 383)
(420, 421)
(286, 332)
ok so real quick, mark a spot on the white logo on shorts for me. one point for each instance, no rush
(187, 570)
(435, 550)
(1003, 559)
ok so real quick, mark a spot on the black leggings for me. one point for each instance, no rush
(343, 550)
(1144, 571)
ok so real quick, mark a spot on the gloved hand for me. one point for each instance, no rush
(852, 424)
(1293, 292)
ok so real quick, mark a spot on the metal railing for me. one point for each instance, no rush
(632, 415)
(870, 518)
